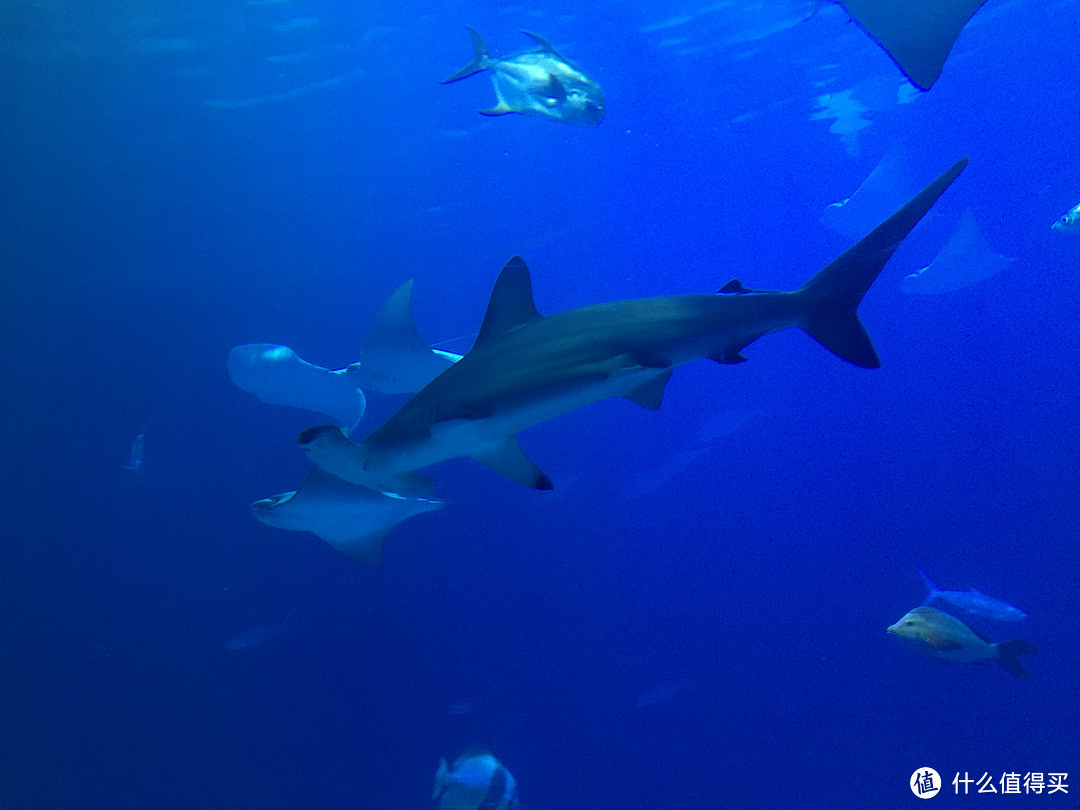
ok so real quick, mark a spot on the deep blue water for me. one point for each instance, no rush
(717, 641)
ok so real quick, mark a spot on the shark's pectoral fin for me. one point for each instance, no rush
(650, 394)
(502, 108)
(507, 459)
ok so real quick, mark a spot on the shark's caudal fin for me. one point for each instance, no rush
(917, 34)
(480, 54)
(1008, 653)
(833, 295)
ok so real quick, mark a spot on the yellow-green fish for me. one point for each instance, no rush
(938, 635)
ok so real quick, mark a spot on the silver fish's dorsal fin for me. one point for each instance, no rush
(542, 45)
(511, 304)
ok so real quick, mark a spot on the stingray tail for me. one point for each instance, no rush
(833, 295)
(481, 54)
(1008, 653)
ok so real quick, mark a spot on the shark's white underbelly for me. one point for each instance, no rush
(468, 437)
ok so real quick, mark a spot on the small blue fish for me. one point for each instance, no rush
(973, 602)
(136, 454)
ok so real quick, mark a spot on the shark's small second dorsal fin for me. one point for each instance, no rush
(542, 45)
(511, 304)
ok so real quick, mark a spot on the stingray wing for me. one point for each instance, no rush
(917, 34)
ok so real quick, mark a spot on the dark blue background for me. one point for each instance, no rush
(169, 192)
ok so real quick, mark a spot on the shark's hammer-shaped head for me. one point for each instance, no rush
(330, 448)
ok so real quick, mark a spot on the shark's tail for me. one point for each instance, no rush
(479, 61)
(933, 590)
(1008, 653)
(834, 294)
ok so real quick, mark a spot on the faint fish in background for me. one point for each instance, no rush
(938, 635)
(966, 259)
(663, 693)
(477, 781)
(260, 634)
(540, 82)
(459, 709)
(724, 423)
(972, 602)
(637, 483)
(136, 455)
(1069, 222)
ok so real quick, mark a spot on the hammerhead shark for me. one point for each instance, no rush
(525, 368)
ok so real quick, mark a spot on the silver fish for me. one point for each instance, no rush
(1069, 222)
(540, 82)
(136, 454)
(973, 602)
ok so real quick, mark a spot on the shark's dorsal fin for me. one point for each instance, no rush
(734, 287)
(508, 460)
(511, 304)
(542, 45)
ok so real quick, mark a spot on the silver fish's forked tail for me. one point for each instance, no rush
(477, 65)
(833, 295)
(1008, 653)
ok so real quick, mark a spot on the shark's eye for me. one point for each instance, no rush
(909, 622)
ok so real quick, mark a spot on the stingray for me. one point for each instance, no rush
(394, 359)
(966, 259)
(352, 519)
(884, 190)
(278, 376)
(917, 34)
